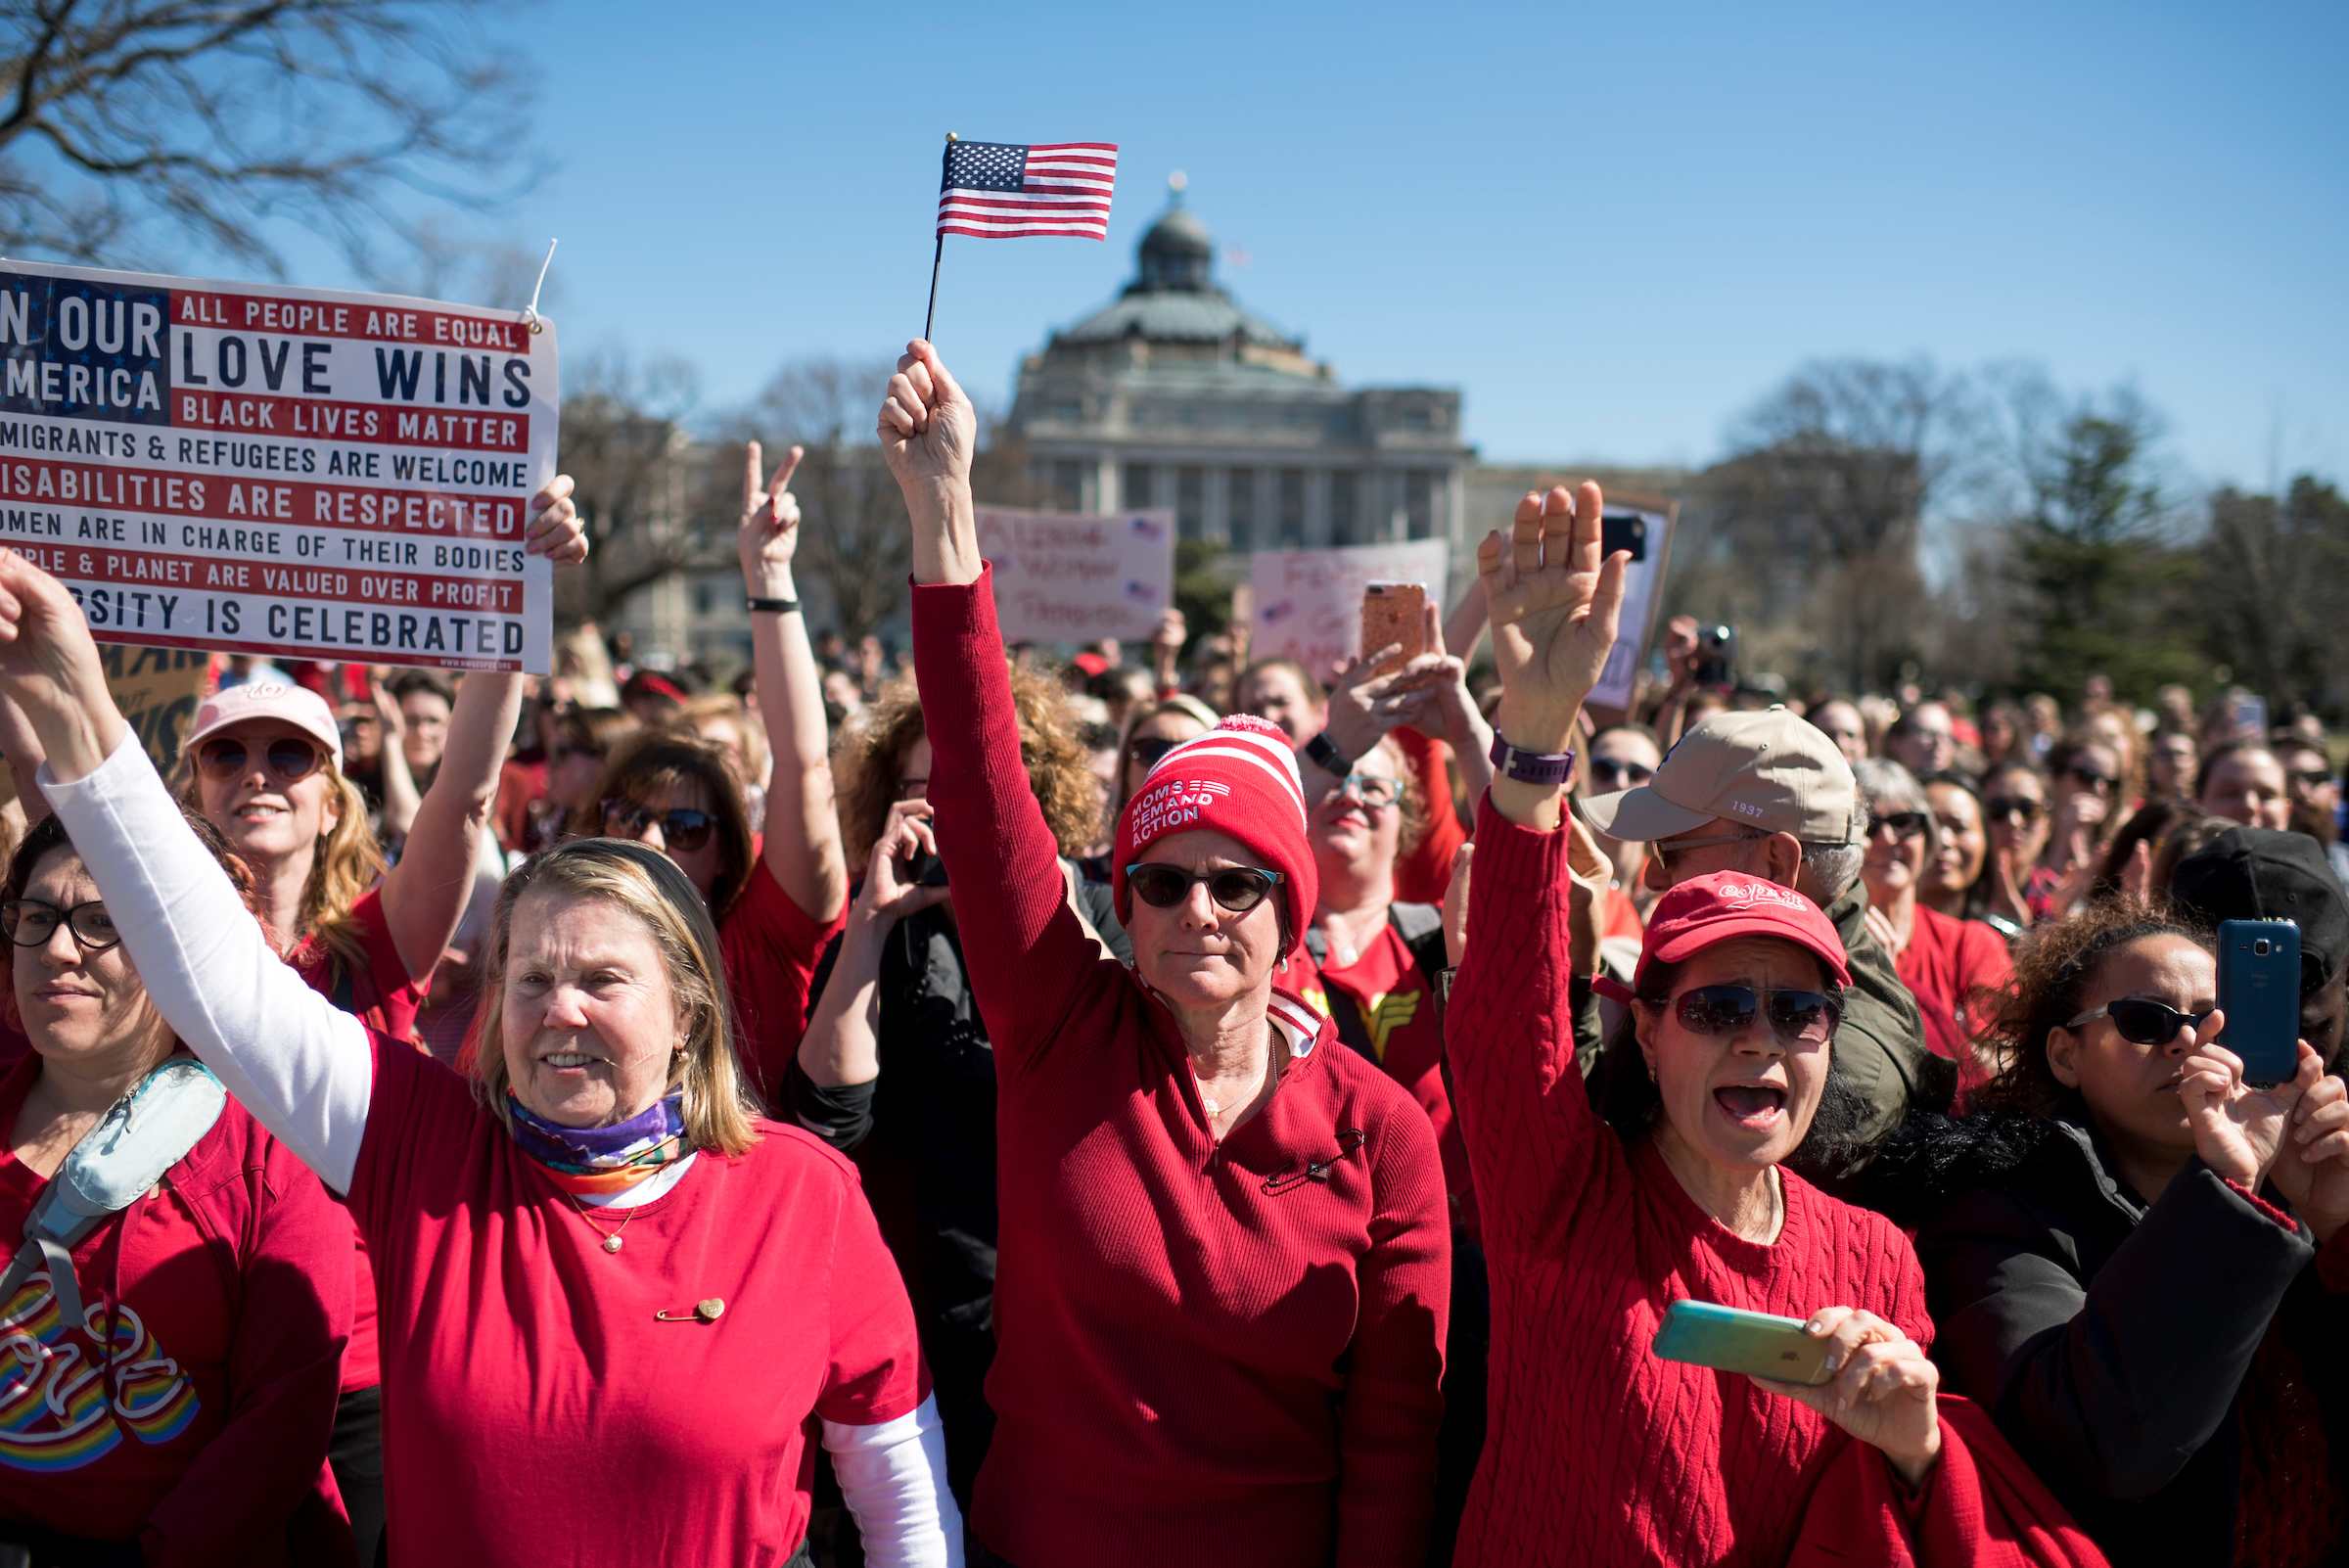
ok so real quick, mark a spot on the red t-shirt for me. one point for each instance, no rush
(385, 1001)
(520, 786)
(1956, 967)
(535, 1410)
(770, 945)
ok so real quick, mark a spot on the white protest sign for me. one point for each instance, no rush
(1309, 603)
(1064, 576)
(1641, 584)
(297, 473)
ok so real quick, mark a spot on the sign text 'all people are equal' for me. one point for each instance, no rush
(288, 472)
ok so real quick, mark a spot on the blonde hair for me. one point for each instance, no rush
(647, 884)
(346, 862)
(728, 707)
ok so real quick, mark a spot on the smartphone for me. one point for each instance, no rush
(1394, 612)
(1716, 657)
(2251, 717)
(2259, 990)
(1621, 531)
(1734, 1340)
(927, 869)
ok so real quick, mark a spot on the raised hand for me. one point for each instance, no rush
(1882, 1392)
(2312, 1173)
(1554, 607)
(887, 897)
(769, 532)
(929, 430)
(556, 532)
(48, 668)
(2239, 1129)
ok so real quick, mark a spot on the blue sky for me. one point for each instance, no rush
(1611, 227)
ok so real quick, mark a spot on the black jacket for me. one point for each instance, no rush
(2106, 1336)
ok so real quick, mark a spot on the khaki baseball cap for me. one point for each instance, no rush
(1772, 770)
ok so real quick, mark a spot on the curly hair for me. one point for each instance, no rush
(869, 753)
(2055, 972)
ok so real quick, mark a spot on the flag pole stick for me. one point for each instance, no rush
(946, 160)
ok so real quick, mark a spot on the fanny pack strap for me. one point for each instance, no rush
(145, 1134)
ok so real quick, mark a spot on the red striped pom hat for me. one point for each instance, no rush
(1239, 779)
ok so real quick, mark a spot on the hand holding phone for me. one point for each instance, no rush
(1732, 1339)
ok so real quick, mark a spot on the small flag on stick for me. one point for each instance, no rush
(1004, 191)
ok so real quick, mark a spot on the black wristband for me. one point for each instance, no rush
(1323, 754)
(779, 606)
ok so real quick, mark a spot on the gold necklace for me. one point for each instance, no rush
(611, 1242)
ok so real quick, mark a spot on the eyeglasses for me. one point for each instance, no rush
(680, 829)
(1610, 775)
(2094, 780)
(1904, 824)
(30, 923)
(912, 789)
(2003, 808)
(1148, 749)
(1796, 1017)
(2142, 1022)
(290, 757)
(2314, 778)
(1370, 789)
(1236, 887)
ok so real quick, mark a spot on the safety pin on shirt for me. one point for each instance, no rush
(1350, 1140)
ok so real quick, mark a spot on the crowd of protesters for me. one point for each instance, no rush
(953, 1106)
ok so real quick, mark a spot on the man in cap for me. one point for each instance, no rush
(2249, 873)
(1770, 796)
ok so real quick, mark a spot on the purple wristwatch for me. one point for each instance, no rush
(1532, 768)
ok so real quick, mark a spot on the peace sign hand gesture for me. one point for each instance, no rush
(1554, 607)
(769, 533)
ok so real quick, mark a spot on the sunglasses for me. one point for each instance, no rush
(2092, 778)
(2142, 1022)
(1904, 824)
(2001, 809)
(2316, 778)
(680, 829)
(1796, 1017)
(290, 757)
(30, 923)
(1369, 788)
(1148, 749)
(1611, 775)
(1236, 887)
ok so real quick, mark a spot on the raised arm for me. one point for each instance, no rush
(300, 1064)
(802, 851)
(426, 893)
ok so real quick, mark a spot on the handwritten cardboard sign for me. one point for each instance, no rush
(158, 691)
(1063, 576)
(299, 473)
(1309, 603)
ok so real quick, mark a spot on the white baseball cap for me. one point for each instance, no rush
(298, 706)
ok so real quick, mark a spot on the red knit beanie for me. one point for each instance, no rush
(1239, 779)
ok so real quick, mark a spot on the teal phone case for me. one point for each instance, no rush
(1734, 1340)
(2259, 987)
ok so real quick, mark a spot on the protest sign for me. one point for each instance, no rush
(1065, 576)
(1643, 587)
(1309, 603)
(158, 691)
(297, 473)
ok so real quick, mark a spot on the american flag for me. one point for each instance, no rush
(1003, 191)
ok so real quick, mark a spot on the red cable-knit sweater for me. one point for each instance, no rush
(1596, 1451)
(1205, 1354)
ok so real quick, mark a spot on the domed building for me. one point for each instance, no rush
(1178, 397)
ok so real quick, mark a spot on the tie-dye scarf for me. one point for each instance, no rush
(604, 1159)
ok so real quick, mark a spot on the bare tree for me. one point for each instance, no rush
(653, 502)
(121, 120)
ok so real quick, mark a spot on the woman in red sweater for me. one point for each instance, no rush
(224, 1288)
(618, 1304)
(1221, 1277)
(1598, 1451)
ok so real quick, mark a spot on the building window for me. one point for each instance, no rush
(703, 598)
(1138, 480)
(1241, 509)
(1342, 522)
(1190, 501)
(1292, 508)
(1418, 503)
(1067, 487)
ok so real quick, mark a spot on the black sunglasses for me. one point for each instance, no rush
(1904, 824)
(1795, 1016)
(1148, 749)
(1611, 775)
(680, 829)
(2142, 1022)
(2092, 778)
(289, 756)
(1236, 887)
(1999, 808)
(30, 923)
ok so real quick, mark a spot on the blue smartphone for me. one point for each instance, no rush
(1734, 1340)
(2259, 990)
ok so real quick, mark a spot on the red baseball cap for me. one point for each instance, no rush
(1697, 913)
